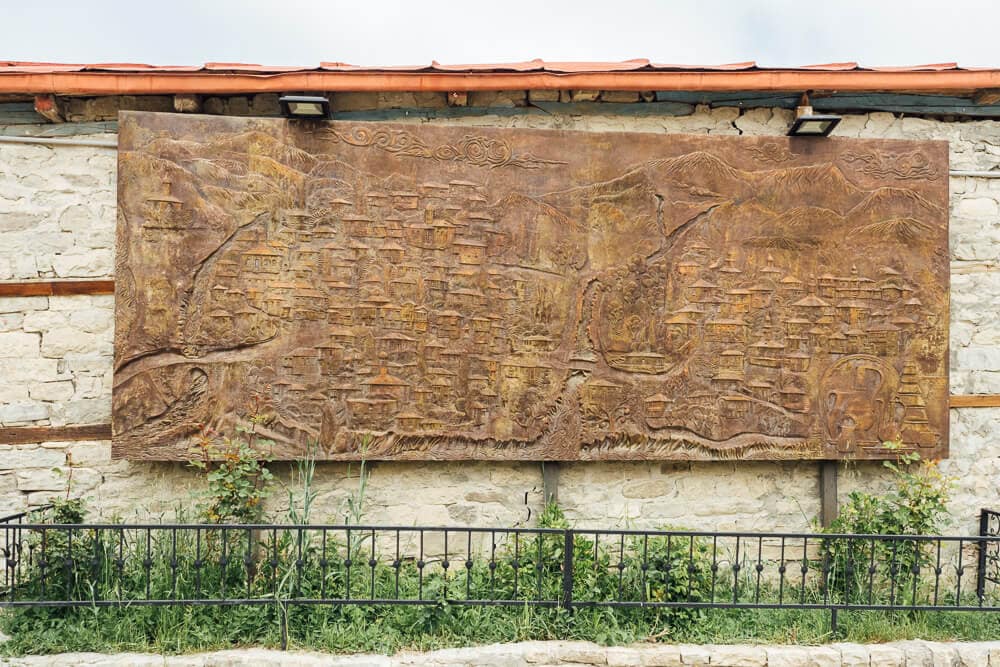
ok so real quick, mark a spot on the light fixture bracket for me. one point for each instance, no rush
(315, 107)
(809, 124)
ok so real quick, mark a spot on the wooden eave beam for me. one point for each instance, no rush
(223, 83)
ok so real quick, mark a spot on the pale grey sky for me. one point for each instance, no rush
(385, 32)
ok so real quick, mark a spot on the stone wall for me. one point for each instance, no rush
(57, 215)
(570, 654)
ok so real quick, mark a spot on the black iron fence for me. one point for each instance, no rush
(181, 564)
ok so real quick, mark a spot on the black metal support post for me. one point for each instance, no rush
(567, 580)
(984, 531)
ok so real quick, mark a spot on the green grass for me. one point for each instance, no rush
(387, 630)
(677, 570)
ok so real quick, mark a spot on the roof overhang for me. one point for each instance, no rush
(638, 75)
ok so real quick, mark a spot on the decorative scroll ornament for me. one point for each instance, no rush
(775, 153)
(902, 166)
(475, 150)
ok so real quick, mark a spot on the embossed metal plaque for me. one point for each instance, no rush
(433, 292)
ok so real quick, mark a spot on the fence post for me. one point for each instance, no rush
(984, 530)
(567, 582)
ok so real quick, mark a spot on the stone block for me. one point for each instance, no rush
(663, 655)
(976, 207)
(653, 488)
(11, 321)
(584, 95)
(943, 655)
(89, 453)
(918, 653)
(737, 655)
(972, 654)
(83, 263)
(978, 358)
(16, 457)
(76, 218)
(22, 412)
(695, 655)
(12, 393)
(623, 656)
(619, 96)
(583, 653)
(802, 656)
(82, 411)
(42, 479)
(853, 655)
(52, 391)
(61, 341)
(543, 96)
(92, 320)
(265, 104)
(43, 320)
(25, 371)
(491, 98)
(18, 344)
(487, 497)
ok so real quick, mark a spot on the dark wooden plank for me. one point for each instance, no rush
(20, 113)
(23, 435)
(550, 481)
(747, 99)
(536, 109)
(57, 129)
(898, 103)
(57, 287)
(975, 401)
(828, 505)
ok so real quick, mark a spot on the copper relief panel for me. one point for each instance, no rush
(472, 293)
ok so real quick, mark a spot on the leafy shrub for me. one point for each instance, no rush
(237, 475)
(884, 570)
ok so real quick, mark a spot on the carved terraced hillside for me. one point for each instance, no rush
(517, 294)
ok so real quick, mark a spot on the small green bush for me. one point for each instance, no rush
(888, 571)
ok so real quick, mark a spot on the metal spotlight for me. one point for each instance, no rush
(304, 106)
(808, 124)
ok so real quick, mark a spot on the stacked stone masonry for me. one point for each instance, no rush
(570, 654)
(57, 218)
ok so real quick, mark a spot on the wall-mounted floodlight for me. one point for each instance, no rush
(304, 106)
(809, 124)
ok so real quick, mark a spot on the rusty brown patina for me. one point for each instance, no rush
(457, 293)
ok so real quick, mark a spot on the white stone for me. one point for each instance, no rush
(19, 344)
(52, 391)
(20, 304)
(661, 655)
(15, 457)
(89, 452)
(737, 655)
(695, 655)
(81, 411)
(622, 656)
(978, 358)
(43, 320)
(972, 654)
(83, 264)
(802, 656)
(584, 653)
(23, 411)
(42, 479)
(918, 653)
(26, 371)
(976, 207)
(60, 341)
